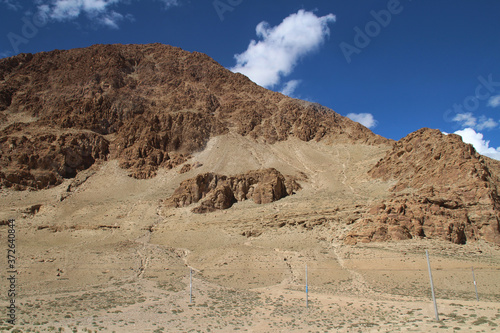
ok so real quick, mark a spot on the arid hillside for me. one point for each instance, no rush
(149, 106)
(444, 189)
(153, 190)
(154, 106)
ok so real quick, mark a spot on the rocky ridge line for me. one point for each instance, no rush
(155, 104)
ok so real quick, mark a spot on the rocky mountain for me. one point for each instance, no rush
(153, 107)
(443, 189)
(149, 106)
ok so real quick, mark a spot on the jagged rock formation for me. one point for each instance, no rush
(155, 104)
(40, 160)
(444, 189)
(220, 192)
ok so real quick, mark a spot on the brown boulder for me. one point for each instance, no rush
(411, 216)
(269, 188)
(193, 190)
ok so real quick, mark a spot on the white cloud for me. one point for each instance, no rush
(69, 9)
(494, 101)
(470, 121)
(280, 48)
(98, 11)
(482, 146)
(467, 119)
(110, 19)
(486, 123)
(365, 119)
(289, 87)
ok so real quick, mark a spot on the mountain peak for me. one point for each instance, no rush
(153, 105)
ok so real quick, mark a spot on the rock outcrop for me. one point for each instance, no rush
(220, 192)
(156, 104)
(444, 189)
(30, 158)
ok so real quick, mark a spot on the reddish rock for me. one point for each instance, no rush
(160, 104)
(37, 159)
(193, 190)
(220, 192)
(444, 190)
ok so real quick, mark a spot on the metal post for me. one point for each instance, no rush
(190, 285)
(475, 285)
(432, 286)
(307, 291)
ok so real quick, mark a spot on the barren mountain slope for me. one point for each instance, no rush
(444, 189)
(103, 220)
(238, 185)
(113, 250)
(153, 105)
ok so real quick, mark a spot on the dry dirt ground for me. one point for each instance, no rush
(107, 256)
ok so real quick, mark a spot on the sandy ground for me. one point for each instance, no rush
(107, 256)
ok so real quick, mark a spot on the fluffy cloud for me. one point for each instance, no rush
(365, 119)
(470, 121)
(98, 11)
(494, 101)
(482, 146)
(289, 87)
(279, 49)
(467, 119)
(486, 123)
(110, 19)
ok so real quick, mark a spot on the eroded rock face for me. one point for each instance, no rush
(444, 190)
(428, 157)
(40, 160)
(159, 103)
(413, 216)
(221, 192)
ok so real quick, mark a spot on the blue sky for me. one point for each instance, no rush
(395, 66)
